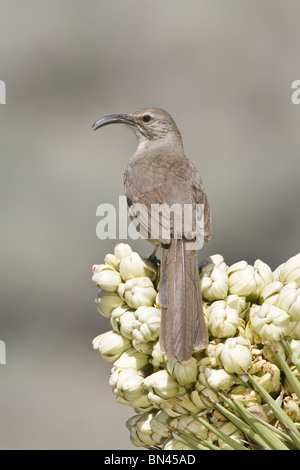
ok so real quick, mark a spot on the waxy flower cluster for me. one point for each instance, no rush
(248, 309)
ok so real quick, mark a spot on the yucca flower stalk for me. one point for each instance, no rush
(242, 392)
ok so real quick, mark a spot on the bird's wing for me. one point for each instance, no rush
(168, 199)
(199, 196)
(151, 216)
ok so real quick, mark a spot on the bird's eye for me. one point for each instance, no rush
(147, 118)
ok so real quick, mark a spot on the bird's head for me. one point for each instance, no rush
(149, 124)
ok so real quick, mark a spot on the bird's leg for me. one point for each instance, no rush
(152, 257)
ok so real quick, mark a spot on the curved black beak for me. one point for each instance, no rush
(113, 119)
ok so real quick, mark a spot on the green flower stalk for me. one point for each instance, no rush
(242, 392)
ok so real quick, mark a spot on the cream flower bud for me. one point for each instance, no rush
(161, 387)
(276, 273)
(289, 300)
(140, 404)
(287, 387)
(241, 279)
(122, 320)
(138, 292)
(141, 432)
(218, 379)
(270, 293)
(158, 356)
(198, 396)
(211, 348)
(127, 385)
(290, 271)
(294, 330)
(269, 353)
(206, 362)
(188, 424)
(235, 355)
(223, 320)
(121, 250)
(214, 282)
(245, 395)
(249, 334)
(112, 260)
(106, 277)
(237, 303)
(111, 345)
(159, 423)
(295, 347)
(184, 372)
(180, 405)
(263, 277)
(269, 377)
(107, 302)
(133, 265)
(210, 374)
(214, 260)
(132, 359)
(146, 324)
(291, 406)
(143, 347)
(248, 281)
(269, 322)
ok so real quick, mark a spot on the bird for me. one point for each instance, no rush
(160, 176)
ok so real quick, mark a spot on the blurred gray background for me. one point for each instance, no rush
(224, 71)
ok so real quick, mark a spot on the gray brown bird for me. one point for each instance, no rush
(158, 177)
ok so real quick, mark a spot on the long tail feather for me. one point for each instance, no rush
(183, 327)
